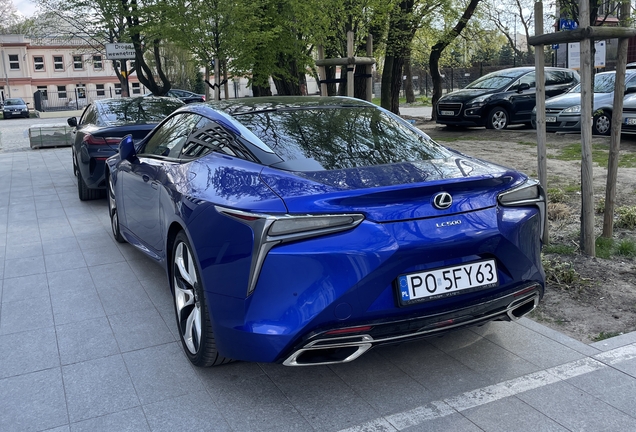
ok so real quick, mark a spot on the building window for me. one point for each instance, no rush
(78, 64)
(118, 89)
(100, 89)
(97, 62)
(58, 63)
(136, 88)
(80, 91)
(61, 92)
(14, 62)
(44, 92)
(38, 63)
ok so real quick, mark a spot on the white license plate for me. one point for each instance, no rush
(630, 121)
(446, 281)
(448, 113)
(550, 119)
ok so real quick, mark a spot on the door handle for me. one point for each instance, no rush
(154, 185)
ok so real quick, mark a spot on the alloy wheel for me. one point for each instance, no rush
(187, 304)
(499, 120)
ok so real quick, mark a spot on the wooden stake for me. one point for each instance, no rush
(369, 68)
(615, 143)
(539, 61)
(587, 186)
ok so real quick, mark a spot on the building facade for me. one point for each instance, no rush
(66, 73)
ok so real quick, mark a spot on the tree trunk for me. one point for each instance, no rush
(360, 82)
(408, 84)
(387, 78)
(438, 48)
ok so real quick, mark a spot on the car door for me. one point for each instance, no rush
(523, 100)
(145, 177)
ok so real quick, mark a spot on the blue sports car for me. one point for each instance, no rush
(307, 230)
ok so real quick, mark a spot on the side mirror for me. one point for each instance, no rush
(72, 121)
(28, 103)
(522, 87)
(127, 148)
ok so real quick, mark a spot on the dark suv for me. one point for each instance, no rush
(501, 98)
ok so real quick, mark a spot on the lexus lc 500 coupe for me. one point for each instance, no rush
(306, 231)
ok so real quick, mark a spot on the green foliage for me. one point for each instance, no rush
(599, 208)
(626, 248)
(605, 335)
(626, 217)
(560, 273)
(557, 195)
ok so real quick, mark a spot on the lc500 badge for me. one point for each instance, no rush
(447, 281)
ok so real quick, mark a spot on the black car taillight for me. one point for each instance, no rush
(95, 140)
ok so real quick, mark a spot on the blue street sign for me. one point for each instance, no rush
(555, 46)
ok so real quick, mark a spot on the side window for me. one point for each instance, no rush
(169, 139)
(88, 116)
(631, 84)
(558, 78)
(527, 78)
(210, 136)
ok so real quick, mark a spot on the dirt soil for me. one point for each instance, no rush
(589, 299)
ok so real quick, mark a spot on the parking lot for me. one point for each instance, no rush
(88, 342)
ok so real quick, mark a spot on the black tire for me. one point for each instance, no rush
(602, 124)
(190, 305)
(497, 118)
(112, 211)
(84, 192)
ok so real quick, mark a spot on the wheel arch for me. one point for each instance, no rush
(174, 229)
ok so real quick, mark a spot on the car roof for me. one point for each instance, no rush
(250, 105)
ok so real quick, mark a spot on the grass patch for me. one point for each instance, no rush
(626, 248)
(571, 188)
(527, 143)
(604, 247)
(605, 335)
(600, 155)
(560, 249)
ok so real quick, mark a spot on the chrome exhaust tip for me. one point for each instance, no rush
(522, 306)
(330, 351)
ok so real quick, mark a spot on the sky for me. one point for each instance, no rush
(25, 7)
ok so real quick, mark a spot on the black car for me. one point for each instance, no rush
(501, 98)
(100, 129)
(15, 107)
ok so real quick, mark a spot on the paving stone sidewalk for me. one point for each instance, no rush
(88, 342)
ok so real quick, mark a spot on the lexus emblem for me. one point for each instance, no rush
(442, 200)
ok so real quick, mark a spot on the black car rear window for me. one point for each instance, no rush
(137, 110)
(340, 137)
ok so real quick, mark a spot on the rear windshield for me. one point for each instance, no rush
(340, 137)
(137, 110)
(603, 83)
(494, 80)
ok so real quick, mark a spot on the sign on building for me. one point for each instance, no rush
(574, 55)
(120, 51)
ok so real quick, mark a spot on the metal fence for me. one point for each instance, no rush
(75, 99)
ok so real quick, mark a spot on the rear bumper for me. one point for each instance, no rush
(311, 287)
(322, 348)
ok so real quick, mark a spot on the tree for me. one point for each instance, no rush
(505, 15)
(405, 19)
(8, 15)
(439, 47)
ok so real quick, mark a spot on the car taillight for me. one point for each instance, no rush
(95, 140)
(271, 230)
(203, 97)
